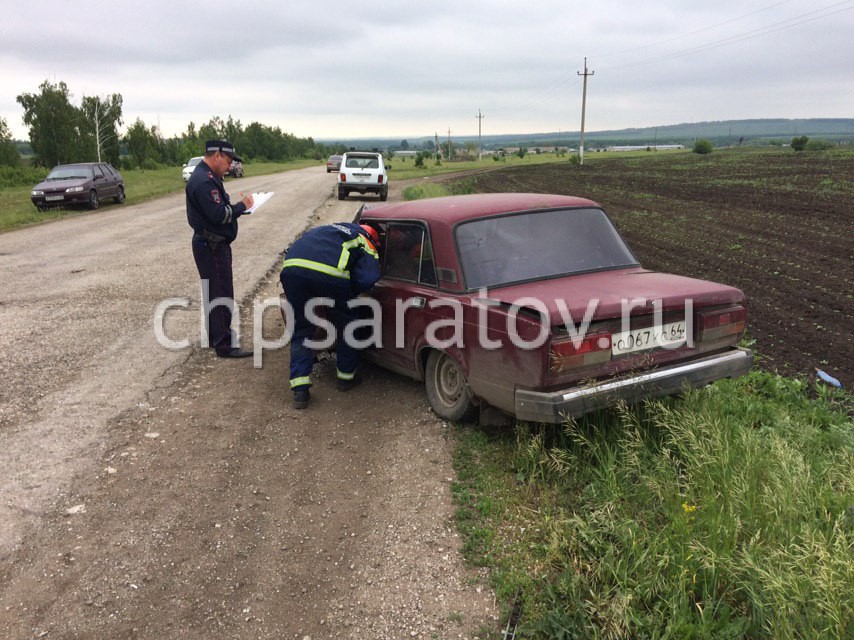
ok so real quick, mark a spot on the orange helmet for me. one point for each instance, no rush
(371, 233)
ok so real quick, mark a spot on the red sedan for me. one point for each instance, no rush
(534, 305)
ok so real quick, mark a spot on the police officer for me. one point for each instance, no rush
(214, 222)
(337, 261)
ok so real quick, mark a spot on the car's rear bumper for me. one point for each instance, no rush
(555, 406)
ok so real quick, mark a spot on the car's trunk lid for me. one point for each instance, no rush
(610, 294)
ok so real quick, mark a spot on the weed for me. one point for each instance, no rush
(729, 513)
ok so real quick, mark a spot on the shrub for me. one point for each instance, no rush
(819, 145)
(703, 147)
(21, 176)
(800, 143)
(575, 159)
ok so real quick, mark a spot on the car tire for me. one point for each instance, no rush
(341, 193)
(94, 202)
(120, 195)
(448, 390)
(384, 195)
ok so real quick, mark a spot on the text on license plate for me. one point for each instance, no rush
(670, 335)
(52, 198)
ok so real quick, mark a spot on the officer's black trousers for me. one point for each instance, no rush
(215, 268)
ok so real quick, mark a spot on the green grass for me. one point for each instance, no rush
(727, 514)
(406, 169)
(16, 209)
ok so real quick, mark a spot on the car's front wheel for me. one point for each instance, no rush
(120, 195)
(448, 390)
(94, 203)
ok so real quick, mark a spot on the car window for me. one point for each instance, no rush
(70, 172)
(537, 245)
(362, 162)
(407, 254)
(97, 170)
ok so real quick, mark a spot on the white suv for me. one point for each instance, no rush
(362, 171)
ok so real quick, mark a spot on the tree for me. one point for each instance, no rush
(703, 147)
(800, 143)
(54, 124)
(8, 153)
(404, 145)
(99, 127)
(142, 145)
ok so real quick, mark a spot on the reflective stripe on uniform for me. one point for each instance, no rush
(345, 376)
(300, 382)
(316, 266)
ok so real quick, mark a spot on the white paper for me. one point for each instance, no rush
(260, 198)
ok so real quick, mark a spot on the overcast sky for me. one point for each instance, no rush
(404, 69)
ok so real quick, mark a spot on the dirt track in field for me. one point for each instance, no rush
(776, 225)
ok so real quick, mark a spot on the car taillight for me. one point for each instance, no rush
(713, 325)
(381, 180)
(565, 354)
(343, 176)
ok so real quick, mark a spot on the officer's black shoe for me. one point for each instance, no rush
(234, 353)
(346, 385)
(301, 397)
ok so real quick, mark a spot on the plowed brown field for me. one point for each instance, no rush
(776, 224)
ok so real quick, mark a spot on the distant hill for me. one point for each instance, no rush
(720, 133)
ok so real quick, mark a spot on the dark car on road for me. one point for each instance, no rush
(84, 183)
(533, 304)
(333, 163)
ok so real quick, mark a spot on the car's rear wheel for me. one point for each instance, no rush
(448, 390)
(120, 195)
(384, 194)
(342, 193)
(94, 203)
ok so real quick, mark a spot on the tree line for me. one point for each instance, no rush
(61, 133)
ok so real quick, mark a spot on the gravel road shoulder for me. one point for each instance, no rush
(212, 508)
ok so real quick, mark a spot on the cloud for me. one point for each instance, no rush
(408, 69)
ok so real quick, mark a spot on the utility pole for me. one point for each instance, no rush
(450, 156)
(480, 118)
(583, 109)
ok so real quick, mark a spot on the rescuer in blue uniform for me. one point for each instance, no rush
(214, 222)
(337, 261)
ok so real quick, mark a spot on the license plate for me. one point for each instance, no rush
(670, 335)
(53, 198)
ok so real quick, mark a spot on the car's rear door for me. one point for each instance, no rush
(406, 294)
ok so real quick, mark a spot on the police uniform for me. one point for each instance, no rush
(214, 222)
(334, 261)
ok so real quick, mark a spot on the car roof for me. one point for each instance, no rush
(453, 209)
(79, 164)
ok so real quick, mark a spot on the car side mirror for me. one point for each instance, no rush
(388, 167)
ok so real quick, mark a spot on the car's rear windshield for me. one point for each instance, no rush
(537, 245)
(363, 162)
(70, 172)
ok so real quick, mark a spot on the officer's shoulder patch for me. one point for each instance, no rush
(215, 196)
(346, 230)
(210, 175)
